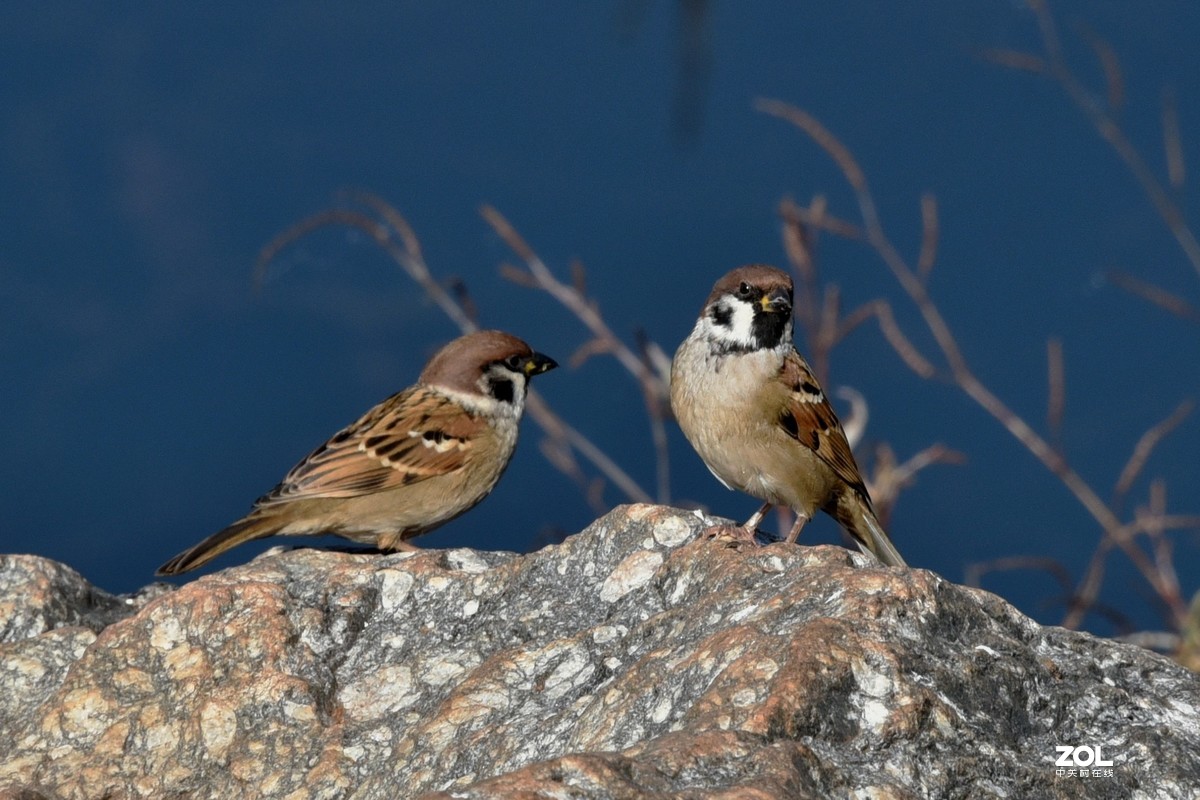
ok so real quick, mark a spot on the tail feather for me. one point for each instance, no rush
(879, 544)
(854, 513)
(244, 530)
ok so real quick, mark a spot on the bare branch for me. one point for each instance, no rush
(1160, 297)
(964, 378)
(974, 572)
(566, 295)
(1013, 59)
(798, 243)
(655, 384)
(900, 343)
(930, 232)
(1145, 446)
(393, 233)
(518, 276)
(818, 219)
(592, 347)
(392, 216)
(1172, 141)
(323, 219)
(659, 410)
(555, 426)
(854, 424)
(1114, 78)
(1056, 394)
(1111, 132)
(406, 251)
(890, 478)
(825, 139)
(1151, 521)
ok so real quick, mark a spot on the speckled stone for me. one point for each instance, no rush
(637, 659)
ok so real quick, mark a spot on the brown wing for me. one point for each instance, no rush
(411, 436)
(810, 420)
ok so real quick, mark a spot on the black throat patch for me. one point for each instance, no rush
(768, 328)
(501, 389)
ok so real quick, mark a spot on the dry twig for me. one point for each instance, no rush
(1160, 297)
(390, 231)
(1056, 391)
(653, 381)
(872, 231)
(1111, 131)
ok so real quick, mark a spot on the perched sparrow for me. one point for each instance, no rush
(416, 460)
(750, 405)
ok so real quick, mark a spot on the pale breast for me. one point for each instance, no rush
(736, 434)
(711, 398)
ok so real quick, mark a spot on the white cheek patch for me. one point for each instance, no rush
(743, 323)
(739, 332)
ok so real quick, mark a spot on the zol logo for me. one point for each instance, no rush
(1081, 756)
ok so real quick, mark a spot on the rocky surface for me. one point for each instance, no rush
(635, 660)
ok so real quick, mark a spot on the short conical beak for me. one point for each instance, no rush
(777, 300)
(538, 363)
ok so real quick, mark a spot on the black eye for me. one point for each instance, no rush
(743, 289)
(513, 363)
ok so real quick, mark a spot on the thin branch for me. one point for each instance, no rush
(1151, 521)
(397, 238)
(556, 426)
(565, 294)
(854, 423)
(297, 231)
(1111, 131)
(1160, 297)
(963, 377)
(890, 478)
(881, 310)
(1172, 141)
(819, 219)
(930, 232)
(659, 411)
(973, 575)
(592, 347)
(1056, 394)
(1014, 59)
(654, 383)
(1114, 78)
(410, 258)
(1145, 446)
(799, 242)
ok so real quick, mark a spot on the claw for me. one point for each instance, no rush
(734, 535)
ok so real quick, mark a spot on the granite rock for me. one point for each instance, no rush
(637, 659)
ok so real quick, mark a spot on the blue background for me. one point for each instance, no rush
(148, 152)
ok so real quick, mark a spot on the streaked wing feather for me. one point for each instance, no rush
(810, 420)
(413, 435)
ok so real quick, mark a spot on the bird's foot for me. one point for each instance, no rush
(734, 536)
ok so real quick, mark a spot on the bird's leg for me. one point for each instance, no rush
(741, 533)
(794, 533)
(394, 542)
(756, 519)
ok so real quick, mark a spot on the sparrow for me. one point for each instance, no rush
(418, 459)
(751, 407)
